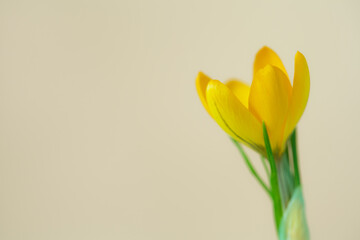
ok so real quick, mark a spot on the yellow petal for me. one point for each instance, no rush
(266, 56)
(241, 91)
(232, 116)
(300, 93)
(201, 84)
(269, 99)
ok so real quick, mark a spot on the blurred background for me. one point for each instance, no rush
(102, 134)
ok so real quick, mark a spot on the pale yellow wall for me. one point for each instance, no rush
(102, 135)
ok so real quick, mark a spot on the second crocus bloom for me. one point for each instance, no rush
(240, 109)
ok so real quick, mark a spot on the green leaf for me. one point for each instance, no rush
(273, 179)
(295, 158)
(251, 167)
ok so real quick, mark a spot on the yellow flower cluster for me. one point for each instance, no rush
(240, 109)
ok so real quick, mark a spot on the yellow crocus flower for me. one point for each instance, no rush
(240, 109)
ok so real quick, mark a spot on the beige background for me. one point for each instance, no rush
(102, 135)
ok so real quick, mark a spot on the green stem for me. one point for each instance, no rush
(295, 159)
(250, 166)
(273, 180)
(286, 179)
